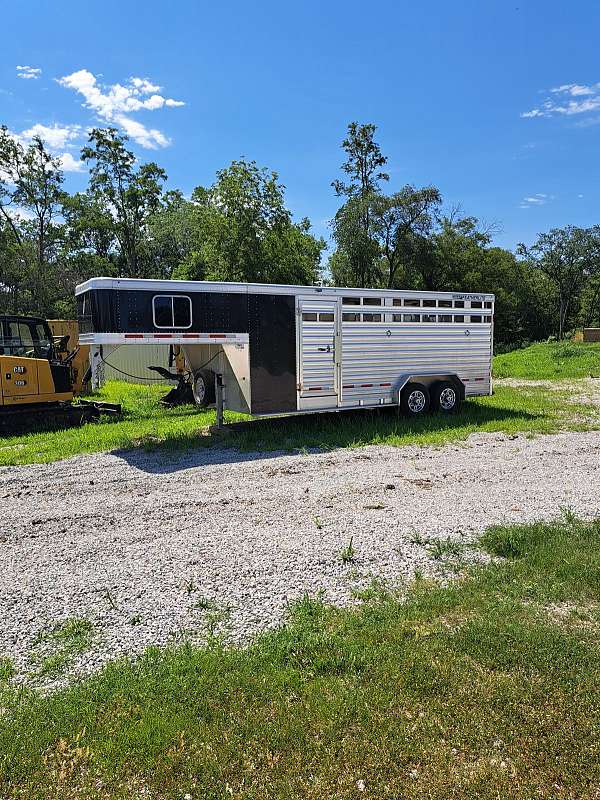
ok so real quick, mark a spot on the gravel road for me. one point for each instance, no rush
(145, 545)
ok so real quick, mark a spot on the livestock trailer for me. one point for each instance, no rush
(291, 349)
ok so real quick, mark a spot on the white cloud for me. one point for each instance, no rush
(70, 164)
(146, 137)
(567, 100)
(115, 103)
(534, 200)
(55, 136)
(28, 73)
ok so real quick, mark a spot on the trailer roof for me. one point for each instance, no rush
(151, 285)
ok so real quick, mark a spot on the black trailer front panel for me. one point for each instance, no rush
(133, 311)
(269, 321)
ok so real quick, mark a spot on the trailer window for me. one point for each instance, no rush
(351, 301)
(488, 304)
(476, 304)
(397, 301)
(350, 317)
(445, 318)
(444, 303)
(396, 317)
(459, 304)
(411, 318)
(429, 318)
(411, 301)
(172, 311)
(429, 303)
(371, 301)
(459, 318)
(475, 319)
(309, 316)
(371, 317)
(325, 317)
(487, 319)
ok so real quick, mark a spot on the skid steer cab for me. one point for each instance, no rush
(36, 378)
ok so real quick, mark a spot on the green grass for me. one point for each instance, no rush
(60, 645)
(552, 361)
(146, 424)
(477, 689)
(511, 410)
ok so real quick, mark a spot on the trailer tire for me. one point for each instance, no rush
(445, 398)
(415, 399)
(204, 388)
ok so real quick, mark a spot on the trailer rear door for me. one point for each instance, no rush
(318, 340)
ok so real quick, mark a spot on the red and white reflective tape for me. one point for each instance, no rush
(232, 336)
(363, 385)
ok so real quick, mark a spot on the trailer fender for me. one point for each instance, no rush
(428, 379)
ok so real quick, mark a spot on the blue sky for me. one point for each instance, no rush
(198, 84)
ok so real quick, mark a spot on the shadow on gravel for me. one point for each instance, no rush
(259, 439)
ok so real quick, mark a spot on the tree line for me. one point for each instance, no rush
(127, 224)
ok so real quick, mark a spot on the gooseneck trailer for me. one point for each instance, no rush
(294, 349)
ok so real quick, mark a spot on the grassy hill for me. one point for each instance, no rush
(550, 361)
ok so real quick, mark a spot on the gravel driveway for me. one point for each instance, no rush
(147, 545)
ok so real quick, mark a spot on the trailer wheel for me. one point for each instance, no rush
(415, 399)
(204, 388)
(445, 398)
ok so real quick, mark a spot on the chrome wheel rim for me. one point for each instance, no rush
(199, 390)
(448, 399)
(416, 401)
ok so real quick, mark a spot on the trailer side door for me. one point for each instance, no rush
(318, 353)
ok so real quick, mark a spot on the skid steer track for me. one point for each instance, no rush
(57, 417)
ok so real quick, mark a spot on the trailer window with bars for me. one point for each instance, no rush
(172, 311)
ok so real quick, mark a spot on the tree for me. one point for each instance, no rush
(590, 299)
(352, 223)
(124, 194)
(363, 163)
(400, 222)
(31, 200)
(239, 229)
(561, 255)
(356, 260)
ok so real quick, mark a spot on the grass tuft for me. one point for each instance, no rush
(60, 645)
(348, 554)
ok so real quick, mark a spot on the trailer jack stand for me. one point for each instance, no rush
(219, 399)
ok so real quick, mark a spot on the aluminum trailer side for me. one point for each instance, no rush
(293, 349)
